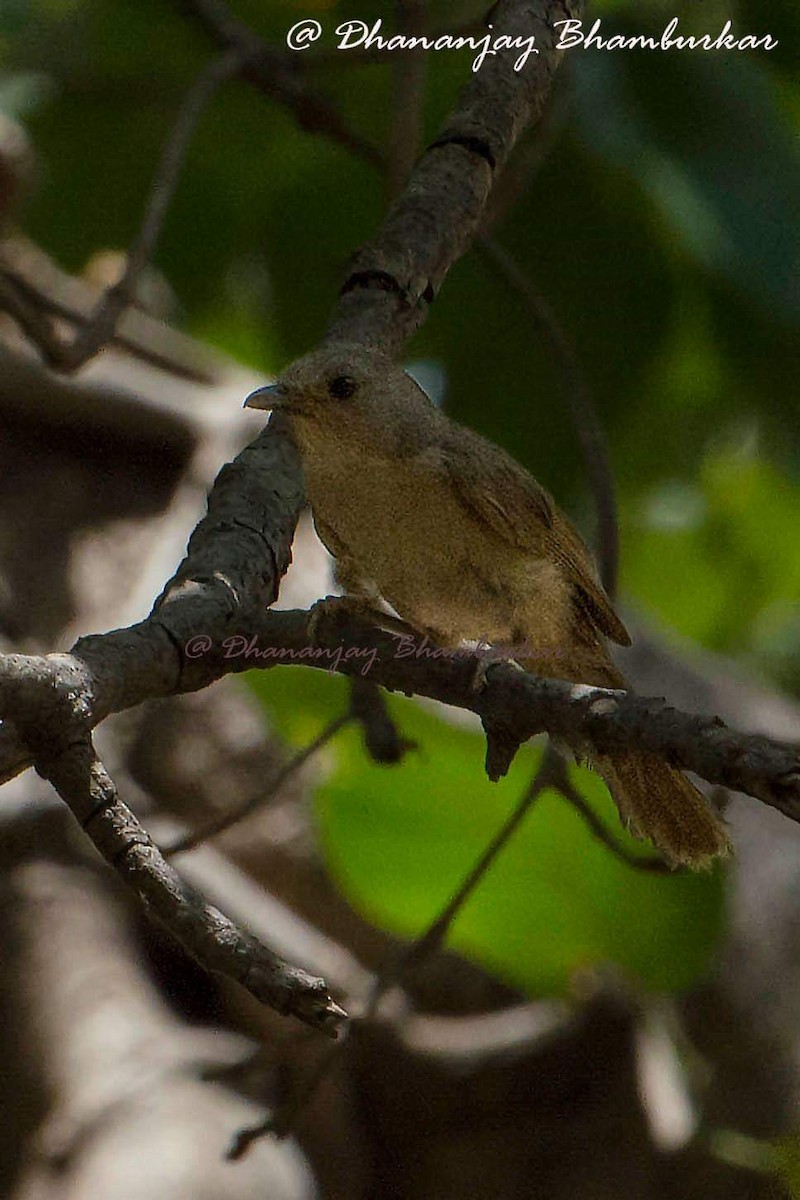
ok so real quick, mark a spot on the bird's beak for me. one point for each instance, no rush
(273, 396)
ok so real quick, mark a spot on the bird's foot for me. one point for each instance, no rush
(337, 607)
(333, 608)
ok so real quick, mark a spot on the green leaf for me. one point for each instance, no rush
(398, 841)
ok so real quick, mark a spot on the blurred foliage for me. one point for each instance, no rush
(787, 1153)
(662, 226)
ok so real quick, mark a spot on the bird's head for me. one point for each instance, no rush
(343, 391)
(327, 383)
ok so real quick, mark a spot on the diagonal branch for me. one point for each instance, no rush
(265, 796)
(99, 329)
(86, 787)
(281, 76)
(395, 277)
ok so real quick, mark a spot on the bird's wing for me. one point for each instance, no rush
(497, 491)
(566, 546)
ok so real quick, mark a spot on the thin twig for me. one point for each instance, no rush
(280, 74)
(24, 300)
(433, 937)
(103, 321)
(580, 404)
(567, 790)
(30, 317)
(381, 737)
(261, 799)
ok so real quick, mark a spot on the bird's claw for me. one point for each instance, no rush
(338, 606)
(328, 606)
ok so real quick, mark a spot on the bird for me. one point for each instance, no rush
(429, 517)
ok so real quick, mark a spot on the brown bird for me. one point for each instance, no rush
(464, 544)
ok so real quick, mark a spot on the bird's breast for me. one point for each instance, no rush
(402, 525)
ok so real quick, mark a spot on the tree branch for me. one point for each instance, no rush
(281, 76)
(264, 797)
(96, 333)
(86, 787)
(93, 334)
(395, 278)
(513, 705)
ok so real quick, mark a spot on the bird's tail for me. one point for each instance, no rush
(655, 800)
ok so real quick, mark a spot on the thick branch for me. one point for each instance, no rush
(235, 560)
(513, 705)
(395, 277)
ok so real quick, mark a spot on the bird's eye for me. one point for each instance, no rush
(342, 387)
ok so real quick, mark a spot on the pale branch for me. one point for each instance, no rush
(31, 302)
(85, 786)
(31, 317)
